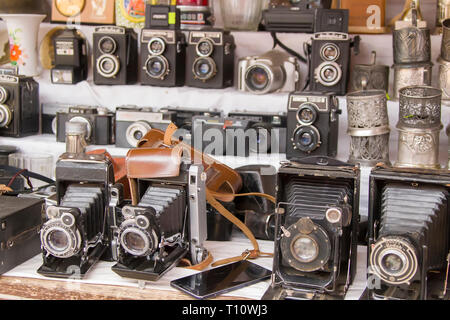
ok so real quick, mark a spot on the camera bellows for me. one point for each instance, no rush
(413, 233)
(316, 209)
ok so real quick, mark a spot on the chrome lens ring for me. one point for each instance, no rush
(306, 138)
(136, 241)
(136, 131)
(55, 231)
(108, 66)
(5, 116)
(204, 68)
(401, 251)
(3, 95)
(88, 125)
(328, 74)
(162, 65)
(264, 71)
(156, 46)
(326, 49)
(111, 41)
(307, 113)
(205, 47)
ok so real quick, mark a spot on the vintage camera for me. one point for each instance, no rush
(210, 59)
(329, 61)
(19, 105)
(48, 117)
(162, 57)
(132, 124)
(304, 17)
(71, 60)
(20, 223)
(408, 245)
(273, 71)
(312, 125)
(184, 121)
(317, 218)
(168, 223)
(237, 136)
(99, 122)
(270, 129)
(115, 55)
(75, 232)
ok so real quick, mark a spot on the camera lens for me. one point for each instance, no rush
(3, 95)
(5, 116)
(108, 66)
(157, 67)
(107, 45)
(204, 68)
(134, 241)
(205, 47)
(58, 240)
(136, 131)
(392, 263)
(257, 78)
(307, 114)
(328, 74)
(305, 249)
(156, 46)
(306, 138)
(330, 52)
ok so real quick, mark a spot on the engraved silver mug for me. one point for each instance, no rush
(405, 75)
(370, 76)
(368, 126)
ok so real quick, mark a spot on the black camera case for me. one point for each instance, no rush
(71, 58)
(122, 56)
(100, 124)
(19, 106)
(321, 130)
(218, 48)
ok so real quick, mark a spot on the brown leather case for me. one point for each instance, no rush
(93, 12)
(366, 16)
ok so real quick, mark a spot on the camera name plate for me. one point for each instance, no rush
(215, 37)
(8, 78)
(321, 102)
(168, 36)
(110, 29)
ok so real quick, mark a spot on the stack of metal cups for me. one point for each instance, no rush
(419, 126)
(444, 61)
(368, 127)
(412, 54)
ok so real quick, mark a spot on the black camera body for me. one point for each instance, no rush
(132, 124)
(48, 117)
(329, 61)
(162, 17)
(162, 58)
(20, 221)
(71, 58)
(168, 222)
(99, 122)
(210, 59)
(19, 106)
(312, 125)
(75, 232)
(115, 55)
(270, 129)
(409, 225)
(316, 230)
(304, 17)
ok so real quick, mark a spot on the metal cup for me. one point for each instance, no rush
(444, 78)
(443, 12)
(405, 75)
(420, 107)
(445, 44)
(370, 76)
(368, 126)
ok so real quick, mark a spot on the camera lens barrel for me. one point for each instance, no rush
(136, 131)
(328, 73)
(3, 95)
(107, 45)
(204, 68)
(157, 67)
(5, 116)
(307, 138)
(108, 66)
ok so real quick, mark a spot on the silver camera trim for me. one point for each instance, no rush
(211, 74)
(270, 78)
(73, 237)
(3, 95)
(301, 107)
(132, 128)
(101, 70)
(88, 125)
(319, 73)
(316, 131)
(163, 45)
(165, 70)
(211, 43)
(5, 116)
(107, 38)
(327, 45)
